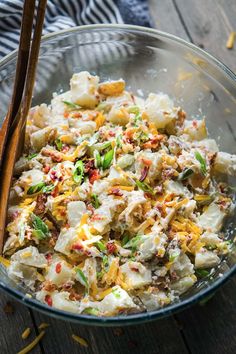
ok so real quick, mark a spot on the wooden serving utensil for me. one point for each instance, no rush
(13, 131)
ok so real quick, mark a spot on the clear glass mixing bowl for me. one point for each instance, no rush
(149, 61)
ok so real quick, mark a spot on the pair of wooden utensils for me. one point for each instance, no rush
(13, 129)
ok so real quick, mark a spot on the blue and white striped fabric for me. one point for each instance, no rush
(63, 14)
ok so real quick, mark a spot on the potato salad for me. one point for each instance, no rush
(117, 203)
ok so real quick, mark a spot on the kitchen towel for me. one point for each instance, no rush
(63, 14)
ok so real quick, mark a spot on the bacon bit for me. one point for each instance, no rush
(55, 155)
(48, 300)
(46, 168)
(146, 162)
(77, 247)
(111, 133)
(66, 114)
(77, 115)
(116, 191)
(181, 117)
(88, 166)
(55, 192)
(111, 247)
(15, 215)
(94, 175)
(144, 173)
(48, 257)
(26, 333)
(75, 296)
(65, 148)
(194, 123)
(48, 286)
(58, 268)
(96, 217)
(134, 269)
(40, 204)
(29, 347)
(80, 340)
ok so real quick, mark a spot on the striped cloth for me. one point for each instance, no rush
(63, 14)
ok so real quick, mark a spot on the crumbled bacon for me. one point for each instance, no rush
(88, 166)
(144, 173)
(55, 155)
(48, 257)
(116, 191)
(46, 168)
(94, 175)
(48, 286)
(111, 247)
(40, 204)
(77, 247)
(48, 300)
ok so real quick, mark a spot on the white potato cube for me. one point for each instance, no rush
(196, 129)
(75, 211)
(209, 145)
(212, 218)
(155, 160)
(84, 89)
(125, 161)
(153, 301)
(31, 177)
(135, 275)
(30, 256)
(41, 137)
(177, 188)
(225, 163)
(206, 259)
(21, 273)
(84, 127)
(183, 284)
(182, 266)
(210, 239)
(152, 244)
(159, 108)
(59, 272)
(65, 241)
(118, 115)
(117, 300)
(41, 116)
(60, 300)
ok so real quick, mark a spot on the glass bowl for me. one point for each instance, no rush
(148, 60)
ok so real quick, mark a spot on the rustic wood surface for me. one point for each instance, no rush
(209, 328)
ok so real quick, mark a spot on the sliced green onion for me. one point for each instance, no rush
(82, 278)
(95, 202)
(97, 159)
(185, 174)
(58, 144)
(202, 162)
(91, 311)
(30, 157)
(40, 229)
(100, 246)
(116, 293)
(144, 187)
(133, 242)
(78, 172)
(125, 239)
(107, 159)
(48, 189)
(202, 273)
(71, 105)
(134, 109)
(36, 188)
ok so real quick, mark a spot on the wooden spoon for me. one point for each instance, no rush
(17, 122)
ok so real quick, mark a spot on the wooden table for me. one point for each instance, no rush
(201, 329)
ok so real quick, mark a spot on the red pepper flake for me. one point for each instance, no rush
(111, 247)
(93, 176)
(144, 173)
(48, 300)
(58, 268)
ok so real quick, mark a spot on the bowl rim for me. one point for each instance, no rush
(144, 316)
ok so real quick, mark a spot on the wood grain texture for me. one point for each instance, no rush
(157, 337)
(12, 326)
(210, 329)
(165, 18)
(209, 23)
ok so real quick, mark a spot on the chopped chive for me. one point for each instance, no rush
(144, 187)
(202, 162)
(71, 105)
(185, 174)
(78, 172)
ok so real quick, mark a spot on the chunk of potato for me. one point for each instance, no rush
(84, 89)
